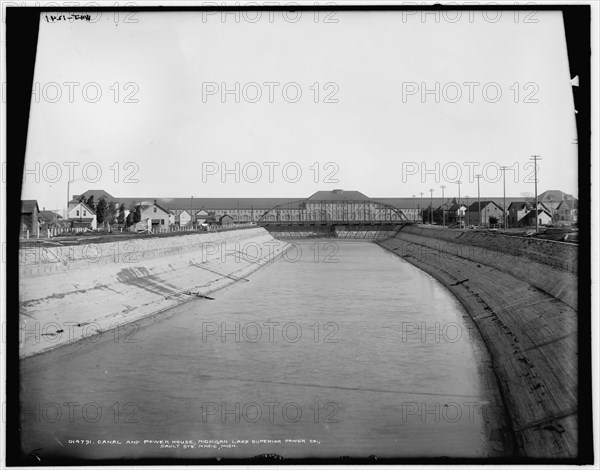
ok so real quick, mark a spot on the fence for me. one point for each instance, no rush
(58, 231)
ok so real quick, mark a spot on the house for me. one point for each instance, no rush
(30, 216)
(488, 209)
(226, 220)
(81, 215)
(455, 212)
(322, 205)
(552, 199)
(544, 218)
(519, 209)
(516, 211)
(179, 217)
(211, 219)
(567, 211)
(201, 216)
(50, 219)
(157, 214)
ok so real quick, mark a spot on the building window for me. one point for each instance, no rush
(77, 214)
(162, 221)
(155, 210)
(84, 213)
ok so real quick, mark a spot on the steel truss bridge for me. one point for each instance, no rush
(360, 215)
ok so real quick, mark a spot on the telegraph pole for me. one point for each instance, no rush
(468, 212)
(414, 215)
(535, 159)
(459, 218)
(431, 208)
(192, 211)
(68, 191)
(478, 201)
(443, 208)
(421, 206)
(503, 169)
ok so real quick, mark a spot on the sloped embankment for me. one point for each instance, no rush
(72, 293)
(526, 312)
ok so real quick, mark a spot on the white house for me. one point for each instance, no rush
(201, 216)
(544, 218)
(82, 215)
(184, 218)
(158, 215)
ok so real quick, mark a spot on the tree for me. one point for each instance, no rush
(121, 216)
(111, 213)
(528, 197)
(90, 202)
(101, 211)
(137, 215)
(129, 221)
(438, 215)
(555, 217)
(493, 220)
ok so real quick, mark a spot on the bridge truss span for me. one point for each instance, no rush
(333, 212)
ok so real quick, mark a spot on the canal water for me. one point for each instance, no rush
(338, 349)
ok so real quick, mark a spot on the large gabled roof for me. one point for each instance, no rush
(85, 206)
(569, 204)
(50, 216)
(28, 206)
(338, 195)
(532, 214)
(475, 205)
(97, 193)
(554, 195)
(214, 203)
(155, 204)
(519, 205)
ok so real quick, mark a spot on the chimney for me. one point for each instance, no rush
(155, 202)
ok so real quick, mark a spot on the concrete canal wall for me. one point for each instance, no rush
(72, 293)
(522, 296)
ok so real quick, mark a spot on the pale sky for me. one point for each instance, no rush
(377, 138)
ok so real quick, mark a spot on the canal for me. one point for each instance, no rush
(338, 349)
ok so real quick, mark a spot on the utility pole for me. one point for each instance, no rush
(443, 208)
(421, 206)
(414, 215)
(478, 201)
(68, 191)
(468, 212)
(535, 159)
(459, 217)
(431, 208)
(192, 211)
(503, 169)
